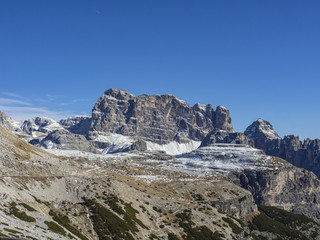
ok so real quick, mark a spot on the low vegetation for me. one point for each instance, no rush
(284, 224)
(235, 228)
(29, 208)
(109, 225)
(65, 221)
(19, 214)
(52, 226)
(196, 233)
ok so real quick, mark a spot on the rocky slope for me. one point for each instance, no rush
(9, 122)
(140, 191)
(125, 196)
(272, 181)
(303, 154)
(77, 124)
(40, 126)
(63, 139)
(158, 118)
(98, 197)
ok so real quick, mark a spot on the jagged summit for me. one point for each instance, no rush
(77, 124)
(40, 125)
(156, 118)
(222, 119)
(118, 93)
(9, 122)
(261, 128)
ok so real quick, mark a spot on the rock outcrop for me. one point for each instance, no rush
(77, 124)
(271, 180)
(40, 126)
(261, 132)
(9, 122)
(221, 136)
(293, 189)
(157, 118)
(305, 154)
(63, 139)
(222, 119)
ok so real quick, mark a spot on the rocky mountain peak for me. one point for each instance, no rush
(77, 124)
(222, 119)
(3, 116)
(156, 118)
(9, 122)
(119, 94)
(40, 125)
(261, 129)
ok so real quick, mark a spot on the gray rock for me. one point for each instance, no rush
(77, 124)
(222, 119)
(63, 139)
(42, 125)
(221, 136)
(304, 154)
(157, 118)
(293, 189)
(9, 122)
(261, 131)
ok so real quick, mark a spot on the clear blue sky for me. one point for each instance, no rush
(261, 59)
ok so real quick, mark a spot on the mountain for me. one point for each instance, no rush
(303, 154)
(157, 118)
(40, 126)
(141, 195)
(9, 122)
(152, 167)
(63, 139)
(77, 124)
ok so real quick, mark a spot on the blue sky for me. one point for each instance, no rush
(261, 59)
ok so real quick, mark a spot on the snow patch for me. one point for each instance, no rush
(117, 142)
(174, 148)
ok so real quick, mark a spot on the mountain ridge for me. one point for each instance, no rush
(124, 161)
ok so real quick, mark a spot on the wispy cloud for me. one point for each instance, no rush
(11, 94)
(10, 101)
(23, 113)
(21, 108)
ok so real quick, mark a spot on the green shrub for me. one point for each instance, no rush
(107, 224)
(21, 215)
(130, 215)
(195, 233)
(235, 228)
(29, 208)
(65, 221)
(12, 231)
(172, 236)
(272, 219)
(52, 226)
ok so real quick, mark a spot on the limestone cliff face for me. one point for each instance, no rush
(77, 124)
(305, 154)
(63, 139)
(293, 189)
(220, 136)
(222, 119)
(157, 118)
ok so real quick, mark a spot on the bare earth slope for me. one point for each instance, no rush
(135, 195)
(48, 197)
